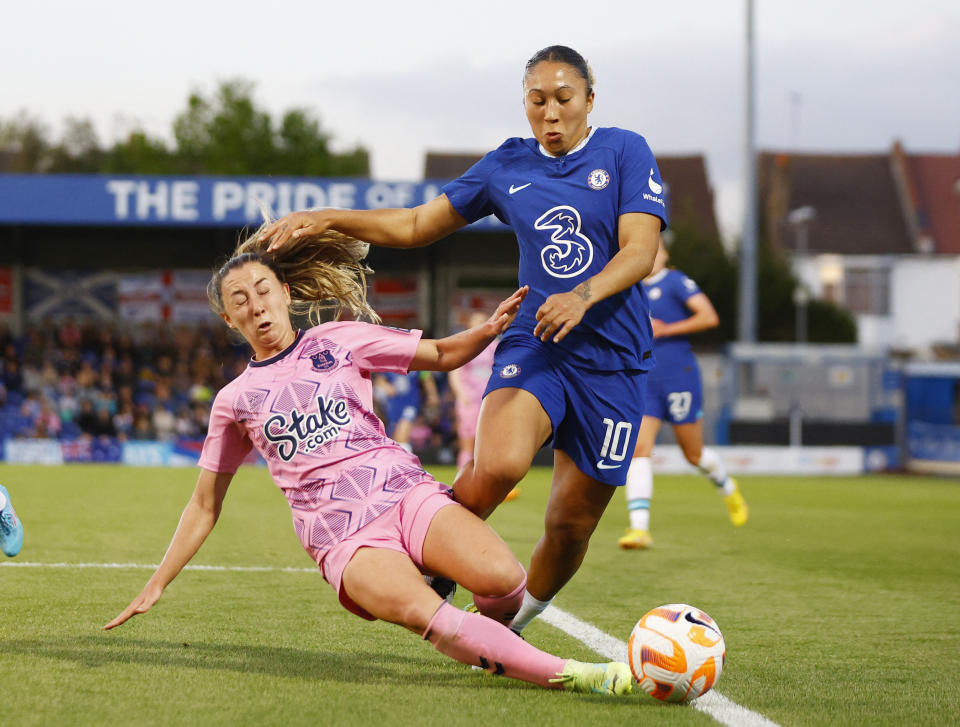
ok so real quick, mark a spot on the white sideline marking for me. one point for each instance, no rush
(147, 566)
(723, 710)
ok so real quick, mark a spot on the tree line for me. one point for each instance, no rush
(704, 258)
(220, 133)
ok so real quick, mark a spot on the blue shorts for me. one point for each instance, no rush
(404, 405)
(400, 409)
(675, 394)
(595, 415)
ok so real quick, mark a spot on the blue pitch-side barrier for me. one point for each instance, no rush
(179, 453)
(937, 442)
(194, 201)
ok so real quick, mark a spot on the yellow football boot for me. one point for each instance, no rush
(635, 540)
(737, 506)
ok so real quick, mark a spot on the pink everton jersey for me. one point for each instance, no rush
(309, 412)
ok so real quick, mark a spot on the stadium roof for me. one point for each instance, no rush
(866, 204)
(858, 208)
(936, 206)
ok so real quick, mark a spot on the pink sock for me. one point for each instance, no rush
(502, 608)
(479, 641)
(463, 456)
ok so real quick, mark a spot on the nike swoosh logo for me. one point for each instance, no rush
(604, 466)
(694, 620)
(514, 190)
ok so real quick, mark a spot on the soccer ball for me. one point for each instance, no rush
(676, 652)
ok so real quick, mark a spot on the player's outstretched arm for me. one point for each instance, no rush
(703, 317)
(452, 352)
(413, 227)
(198, 519)
(639, 237)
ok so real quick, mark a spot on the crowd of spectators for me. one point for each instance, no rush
(70, 380)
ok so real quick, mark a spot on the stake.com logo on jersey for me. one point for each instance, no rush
(309, 430)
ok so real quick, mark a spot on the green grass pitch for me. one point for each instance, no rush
(839, 602)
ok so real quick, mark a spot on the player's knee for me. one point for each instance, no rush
(483, 488)
(569, 529)
(505, 577)
(505, 593)
(503, 471)
(643, 449)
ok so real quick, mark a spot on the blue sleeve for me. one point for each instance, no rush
(641, 188)
(685, 287)
(469, 193)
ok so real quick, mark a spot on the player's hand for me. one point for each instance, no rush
(558, 315)
(295, 226)
(507, 310)
(658, 327)
(141, 604)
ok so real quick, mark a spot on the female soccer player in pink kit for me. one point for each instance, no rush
(366, 512)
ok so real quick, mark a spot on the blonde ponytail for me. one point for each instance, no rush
(326, 274)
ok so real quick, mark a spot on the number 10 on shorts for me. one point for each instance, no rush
(616, 439)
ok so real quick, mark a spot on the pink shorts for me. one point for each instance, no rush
(402, 528)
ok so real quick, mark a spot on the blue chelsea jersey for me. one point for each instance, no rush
(668, 292)
(565, 211)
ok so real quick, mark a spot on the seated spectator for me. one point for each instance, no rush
(164, 424)
(47, 424)
(86, 417)
(123, 420)
(142, 425)
(11, 376)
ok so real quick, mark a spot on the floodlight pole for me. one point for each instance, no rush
(747, 318)
(800, 220)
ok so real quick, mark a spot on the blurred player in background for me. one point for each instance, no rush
(468, 384)
(11, 527)
(674, 393)
(586, 205)
(401, 398)
(365, 511)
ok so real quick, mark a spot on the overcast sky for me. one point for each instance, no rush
(405, 77)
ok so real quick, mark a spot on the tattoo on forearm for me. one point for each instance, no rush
(583, 290)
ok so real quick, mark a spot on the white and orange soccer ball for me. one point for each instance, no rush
(676, 652)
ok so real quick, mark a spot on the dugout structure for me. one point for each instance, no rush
(932, 392)
(813, 395)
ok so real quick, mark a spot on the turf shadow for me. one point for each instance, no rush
(355, 667)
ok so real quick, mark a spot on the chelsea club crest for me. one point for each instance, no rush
(598, 179)
(509, 371)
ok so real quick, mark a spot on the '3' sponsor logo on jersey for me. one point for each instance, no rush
(569, 252)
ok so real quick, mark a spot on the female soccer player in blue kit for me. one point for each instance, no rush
(586, 205)
(675, 394)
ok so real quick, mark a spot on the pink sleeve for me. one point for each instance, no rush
(381, 348)
(226, 444)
